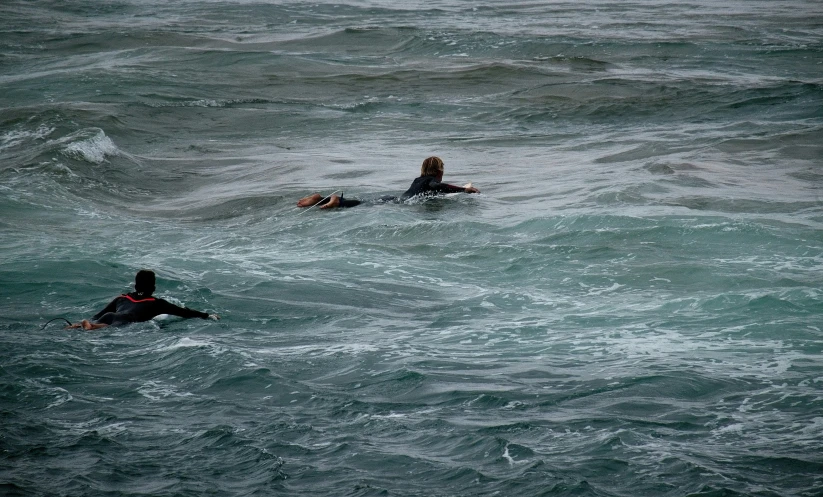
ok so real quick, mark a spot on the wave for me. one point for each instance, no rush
(15, 138)
(75, 156)
(89, 145)
(165, 101)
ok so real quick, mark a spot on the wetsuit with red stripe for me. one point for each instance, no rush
(135, 308)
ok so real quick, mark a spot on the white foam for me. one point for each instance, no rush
(391, 415)
(155, 390)
(63, 396)
(95, 148)
(508, 456)
(13, 138)
(322, 350)
(186, 342)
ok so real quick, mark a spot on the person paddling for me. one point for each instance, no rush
(430, 182)
(138, 306)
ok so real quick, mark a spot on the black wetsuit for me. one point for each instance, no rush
(429, 185)
(135, 308)
(423, 185)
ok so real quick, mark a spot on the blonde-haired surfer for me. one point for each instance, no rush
(430, 182)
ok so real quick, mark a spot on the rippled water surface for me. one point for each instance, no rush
(631, 307)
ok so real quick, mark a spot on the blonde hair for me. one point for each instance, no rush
(432, 166)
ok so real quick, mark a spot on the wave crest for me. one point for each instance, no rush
(90, 145)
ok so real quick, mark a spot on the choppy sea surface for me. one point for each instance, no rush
(633, 306)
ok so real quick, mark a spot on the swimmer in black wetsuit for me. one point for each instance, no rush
(138, 306)
(429, 183)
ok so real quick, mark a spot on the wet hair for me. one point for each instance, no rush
(144, 282)
(432, 166)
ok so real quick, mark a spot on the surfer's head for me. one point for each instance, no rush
(144, 282)
(432, 166)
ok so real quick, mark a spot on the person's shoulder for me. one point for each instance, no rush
(420, 180)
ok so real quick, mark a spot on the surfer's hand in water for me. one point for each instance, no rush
(468, 188)
(214, 317)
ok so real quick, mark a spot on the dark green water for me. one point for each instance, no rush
(631, 307)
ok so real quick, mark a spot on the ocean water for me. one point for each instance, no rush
(631, 307)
